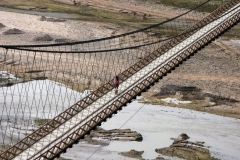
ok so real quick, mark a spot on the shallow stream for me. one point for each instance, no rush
(22, 104)
(158, 124)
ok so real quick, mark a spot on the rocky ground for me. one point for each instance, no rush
(209, 79)
(181, 146)
(103, 137)
(184, 149)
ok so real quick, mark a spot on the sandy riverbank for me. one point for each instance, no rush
(34, 25)
(214, 70)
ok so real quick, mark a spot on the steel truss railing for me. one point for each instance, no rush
(125, 98)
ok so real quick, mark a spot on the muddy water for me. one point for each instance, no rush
(158, 124)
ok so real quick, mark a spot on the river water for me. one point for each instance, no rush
(157, 124)
(24, 103)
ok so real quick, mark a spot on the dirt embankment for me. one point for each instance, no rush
(210, 80)
(141, 8)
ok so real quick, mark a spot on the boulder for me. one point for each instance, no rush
(42, 18)
(133, 154)
(2, 26)
(13, 31)
(101, 136)
(62, 40)
(45, 37)
(184, 149)
(117, 134)
(183, 136)
(209, 99)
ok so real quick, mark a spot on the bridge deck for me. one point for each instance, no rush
(98, 106)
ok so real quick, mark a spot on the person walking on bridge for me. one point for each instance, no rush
(116, 84)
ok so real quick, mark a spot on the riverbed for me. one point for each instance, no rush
(158, 124)
(43, 99)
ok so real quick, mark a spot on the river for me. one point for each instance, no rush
(22, 104)
(157, 124)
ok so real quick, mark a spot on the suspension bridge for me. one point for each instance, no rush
(139, 58)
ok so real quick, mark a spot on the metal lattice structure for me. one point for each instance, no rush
(139, 58)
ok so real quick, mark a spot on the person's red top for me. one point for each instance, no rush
(116, 81)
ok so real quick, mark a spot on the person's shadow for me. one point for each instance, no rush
(116, 91)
